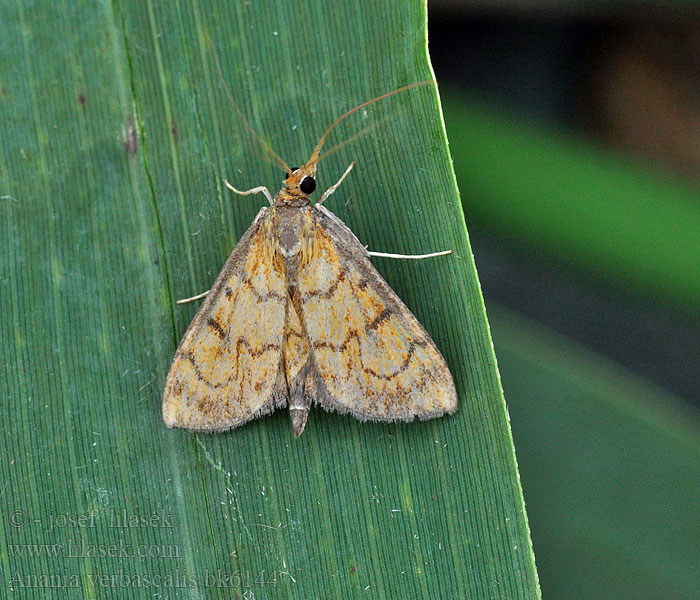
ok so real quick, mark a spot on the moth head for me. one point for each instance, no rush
(301, 180)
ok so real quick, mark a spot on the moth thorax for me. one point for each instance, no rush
(294, 230)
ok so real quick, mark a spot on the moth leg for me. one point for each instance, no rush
(411, 256)
(197, 297)
(332, 189)
(256, 190)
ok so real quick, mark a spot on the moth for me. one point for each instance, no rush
(298, 315)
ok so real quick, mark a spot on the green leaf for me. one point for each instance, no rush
(116, 137)
(566, 197)
(610, 467)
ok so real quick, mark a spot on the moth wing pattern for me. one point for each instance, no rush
(227, 368)
(371, 356)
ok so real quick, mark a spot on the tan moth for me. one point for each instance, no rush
(298, 315)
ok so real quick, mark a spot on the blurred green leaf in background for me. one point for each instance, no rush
(610, 467)
(601, 212)
(116, 136)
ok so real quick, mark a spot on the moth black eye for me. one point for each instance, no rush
(307, 185)
(288, 175)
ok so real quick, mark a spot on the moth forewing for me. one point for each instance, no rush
(372, 356)
(226, 368)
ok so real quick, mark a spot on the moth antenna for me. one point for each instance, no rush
(315, 154)
(344, 143)
(270, 152)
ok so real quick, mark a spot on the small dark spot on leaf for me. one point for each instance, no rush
(131, 140)
(81, 99)
(156, 262)
(353, 569)
(173, 130)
